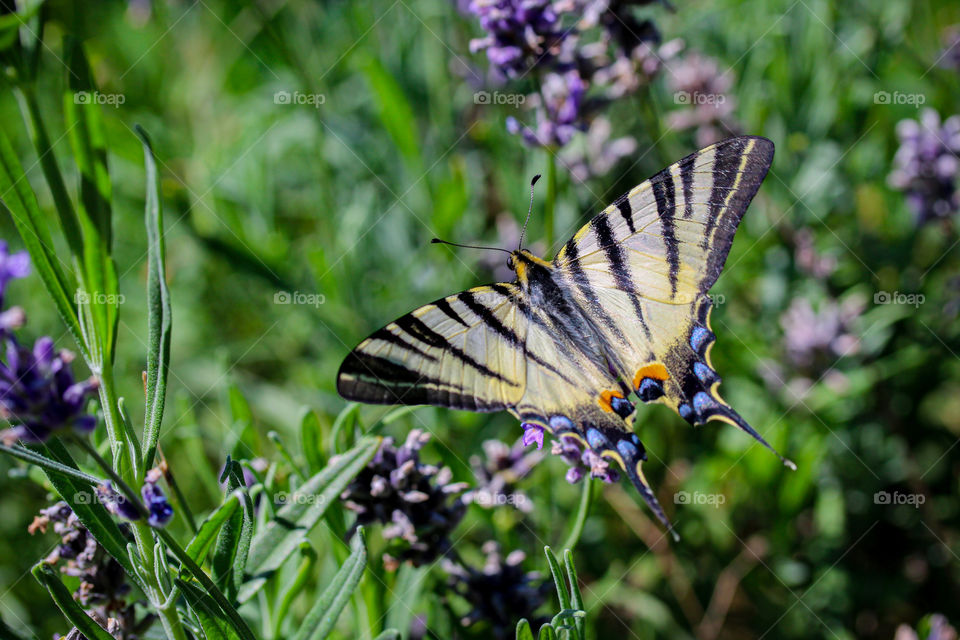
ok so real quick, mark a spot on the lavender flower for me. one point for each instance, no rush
(160, 511)
(500, 470)
(416, 502)
(926, 165)
(817, 338)
(583, 460)
(559, 111)
(567, 47)
(103, 586)
(38, 394)
(116, 503)
(500, 593)
(950, 56)
(808, 259)
(702, 90)
(598, 154)
(521, 34)
(11, 267)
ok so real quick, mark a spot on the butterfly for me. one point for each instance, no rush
(622, 311)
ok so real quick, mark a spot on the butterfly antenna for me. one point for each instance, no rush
(466, 246)
(529, 211)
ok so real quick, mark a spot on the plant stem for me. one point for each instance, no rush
(586, 499)
(550, 203)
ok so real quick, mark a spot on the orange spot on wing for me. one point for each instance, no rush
(653, 370)
(606, 397)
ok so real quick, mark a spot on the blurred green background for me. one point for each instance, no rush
(339, 201)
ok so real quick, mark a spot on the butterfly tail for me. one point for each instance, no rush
(724, 413)
(630, 456)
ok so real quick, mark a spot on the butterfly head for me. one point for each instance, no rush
(522, 262)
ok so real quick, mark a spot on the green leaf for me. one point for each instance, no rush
(87, 139)
(562, 594)
(523, 630)
(47, 576)
(395, 111)
(389, 634)
(19, 199)
(233, 543)
(45, 463)
(576, 597)
(158, 305)
(80, 497)
(303, 510)
(200, 545)
(212, 621)
(547, 633)
(209, 587)
(322, 618)
(311, 433)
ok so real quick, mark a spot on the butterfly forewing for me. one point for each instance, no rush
(463, 351)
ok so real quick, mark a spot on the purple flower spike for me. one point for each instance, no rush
(532, 433)
(156, 502)
(38, 393)
(927, 164)
(12, 266)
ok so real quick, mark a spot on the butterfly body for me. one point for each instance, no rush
(620, 316)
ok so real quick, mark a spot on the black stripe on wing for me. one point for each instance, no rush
(419, 330)
(665, 195)
(618, 266)
(373, 379)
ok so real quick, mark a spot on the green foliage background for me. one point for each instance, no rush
(342, 199)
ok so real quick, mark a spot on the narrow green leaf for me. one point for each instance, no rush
(47, 576)
(212, 621)
(292, 590)
(233, 542)
(200, 545)
(523, 630)
(47, 464)
(562, 594)
(311, 432)
(20, 201)
(87, 139)
(81, 498)
(576, 597)
(209, 587)
(322, 618)
(547, 633)
(301, 512)
(390, 634)
(51, 171)
(158, 305)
